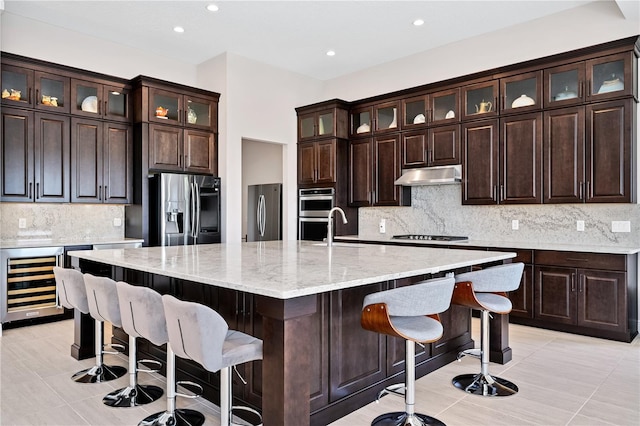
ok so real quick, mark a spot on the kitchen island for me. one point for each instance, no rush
(303, 299)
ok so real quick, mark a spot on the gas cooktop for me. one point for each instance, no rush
(429, 237)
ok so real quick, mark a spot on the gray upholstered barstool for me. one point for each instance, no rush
(411, 313)
(72, 294)
(199, 333)
(486, 290)
(103, 306)
(149, 323)
(135, 319)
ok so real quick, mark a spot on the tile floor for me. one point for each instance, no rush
(564, 379)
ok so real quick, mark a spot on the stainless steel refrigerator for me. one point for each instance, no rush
(185, 209)
(264, 210)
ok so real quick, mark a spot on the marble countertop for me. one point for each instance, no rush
(503, 244)
(288, 269)
(31, 243)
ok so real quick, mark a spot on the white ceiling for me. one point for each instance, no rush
(293, 35)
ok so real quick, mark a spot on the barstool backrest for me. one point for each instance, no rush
(425, 298)
(142, 313)
(196, 332)
(103, 299)
(494, 279)
(71, 289)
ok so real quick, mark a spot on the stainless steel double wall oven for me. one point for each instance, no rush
(314, 205)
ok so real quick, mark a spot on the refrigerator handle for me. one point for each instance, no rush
(198, 212)
(261, 215)
(192, 215)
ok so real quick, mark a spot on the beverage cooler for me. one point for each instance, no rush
(28, 284)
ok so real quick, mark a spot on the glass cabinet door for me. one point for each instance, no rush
(86, 98)
(414, 112)
(17, 84)
(564, 85)
(198, 112)
(610, 77)
(326, 123)
(445, 106)
(386, 117)
(164, 106)
(307, 126)
(361, 122)
(522, 92)
(480, 99)
(52, 92)
(116, 104)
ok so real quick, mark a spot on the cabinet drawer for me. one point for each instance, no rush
(522, 255)
(611, 262)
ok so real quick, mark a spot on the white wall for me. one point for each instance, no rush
(589, 25)
(38, 40)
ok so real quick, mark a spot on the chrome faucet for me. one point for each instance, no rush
(330, 225)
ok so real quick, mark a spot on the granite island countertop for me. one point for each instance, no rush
(497, 244)
(289, 269)
(57, 242)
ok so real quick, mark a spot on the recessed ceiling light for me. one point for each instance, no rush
(331, 53)
(212, 8)
(418, 22)
(178, 29)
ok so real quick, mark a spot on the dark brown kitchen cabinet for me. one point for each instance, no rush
(101, 161)
(110, 101)
(51, 92)
(375, 119)
(317, 162)
(587, 153)
(374, 166)
(176, 149)
(593, 80)
(521, 93)
(586, 292)
(35, 156)
(505, 168)
(480, 100)
(16, 86)
(326, 120)
(441, 107)
(28, 88)
(177, 108)
(438, 146)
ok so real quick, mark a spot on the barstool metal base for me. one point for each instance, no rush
(99, 374)
(403, 419)
(180, 417)
(484, 385)
(130, 397)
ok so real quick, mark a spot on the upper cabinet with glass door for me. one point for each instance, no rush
(479, 100)
(589, 81)
(520, 93)
(97, 100)
(17, 86)
(35, 89)
(169, 107)
(437, 108)
(380, 118)
(328, 119)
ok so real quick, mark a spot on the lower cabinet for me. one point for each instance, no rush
(587, 293)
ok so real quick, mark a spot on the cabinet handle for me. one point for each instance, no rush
(186, 160)
(30, 188)
(495, 103)
(37, 97)
(494, 193)
(501, 193)
(587, 190)
(504, 102)
(582, 190)
(581, 283)
(429, 113)
(105, 108)
(576, 259)
(105, 193)
(37, 190)
(573, 282)
(30, 95)
(100, 192)
(179, 116)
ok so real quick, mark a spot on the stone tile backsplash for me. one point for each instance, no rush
(438, 210)
(60, 221)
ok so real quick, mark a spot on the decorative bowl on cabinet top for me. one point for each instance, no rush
(450, 114)
(363, 128)
(522, 101)
(419, 119)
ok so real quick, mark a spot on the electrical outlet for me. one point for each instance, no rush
(383, 226)
(22, 223)
(515, 224)
(580, 225)
(117, 221)
(620, 226)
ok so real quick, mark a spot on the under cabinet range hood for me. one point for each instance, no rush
(437, 175)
